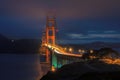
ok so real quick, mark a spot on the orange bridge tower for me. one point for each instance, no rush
(49, 36)
(50, 30)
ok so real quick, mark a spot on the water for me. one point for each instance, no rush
(20, 67)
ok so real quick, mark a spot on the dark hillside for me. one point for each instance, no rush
(19, 46)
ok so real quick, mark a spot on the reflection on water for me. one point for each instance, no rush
(20, 67)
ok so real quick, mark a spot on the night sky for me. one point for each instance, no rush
(78, 21)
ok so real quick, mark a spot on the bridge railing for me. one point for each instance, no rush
(54, 46)
(60, 48)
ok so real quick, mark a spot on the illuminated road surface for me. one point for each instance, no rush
(62, 52)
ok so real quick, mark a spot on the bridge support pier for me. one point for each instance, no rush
(54, 61)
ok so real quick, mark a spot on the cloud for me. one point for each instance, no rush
(107, 31)
(104, 35)
(66, 41)
(93, 36)
(77, 36)
(111, 31)
(81, 41)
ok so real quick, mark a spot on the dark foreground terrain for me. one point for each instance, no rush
(90, 70)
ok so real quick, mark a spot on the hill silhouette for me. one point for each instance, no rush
(91, 70)
(19, 46)
(5, 44)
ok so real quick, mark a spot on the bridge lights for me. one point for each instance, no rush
(80, 51)
(65, 49)
(49, 46)
(83, 51)
(52, 48)
(53, 69)
(45, 44)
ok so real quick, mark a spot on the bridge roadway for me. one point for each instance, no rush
(60, 57)
(57, 56)
(61, 51)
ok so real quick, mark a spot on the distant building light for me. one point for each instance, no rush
(91, 51)
(12, 40)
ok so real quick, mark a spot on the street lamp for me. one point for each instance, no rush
(79, 50)
(70, 50)
(91, 51)
(83, 51)
(65, 49)
(53, 69)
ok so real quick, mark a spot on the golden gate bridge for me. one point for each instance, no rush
(56, 55)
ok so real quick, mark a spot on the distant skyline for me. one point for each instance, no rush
(78, 21)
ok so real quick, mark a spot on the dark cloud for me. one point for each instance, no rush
(62, 8)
